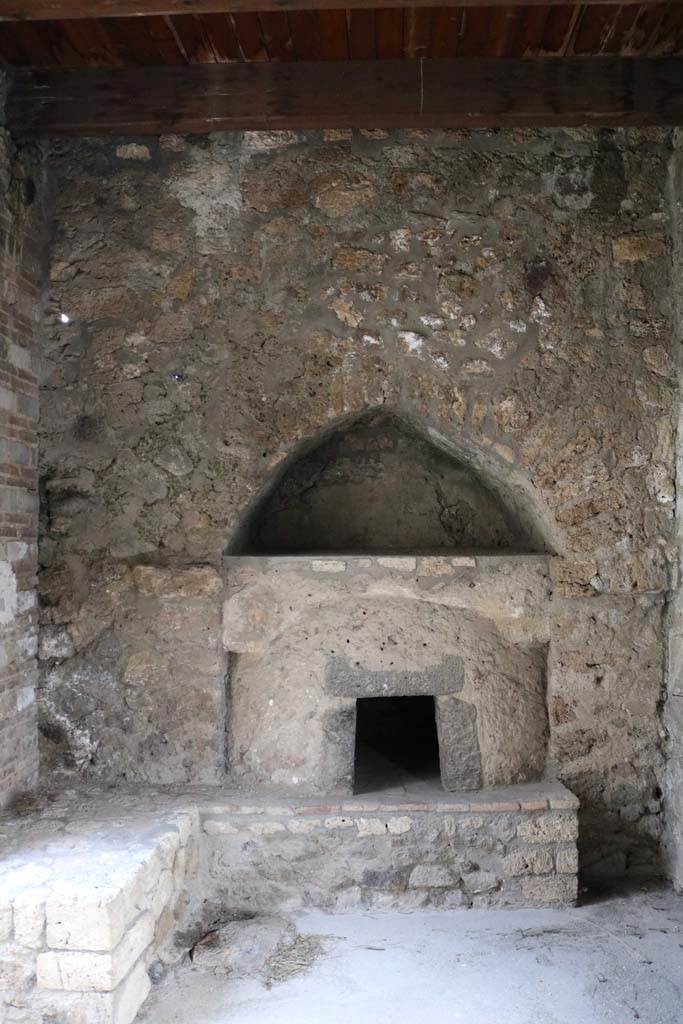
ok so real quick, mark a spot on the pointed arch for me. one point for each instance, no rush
(381, 482)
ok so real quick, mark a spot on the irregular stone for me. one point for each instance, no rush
(427, 876)
(635, 248)
(196, 581)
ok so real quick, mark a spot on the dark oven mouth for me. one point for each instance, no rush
(396, 743)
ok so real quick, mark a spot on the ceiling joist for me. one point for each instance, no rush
(429, 93)
(60, 10)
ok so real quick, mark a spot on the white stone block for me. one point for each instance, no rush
(29, 918)
(118, 1007)
(428, 876)
(370, 827)
(328, 565)
(397, 826)
(5, 922)
(398, 563)
(95, 972)
(94, 921)
(179, 868)
(162, 895)
(266, 828)
(301, 826)
(168, 845)
(217, 827)
(130, 995)
(187, 824)
(15, 972)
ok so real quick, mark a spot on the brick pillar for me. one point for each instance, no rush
(22, 247)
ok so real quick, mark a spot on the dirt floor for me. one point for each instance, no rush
(612, 961)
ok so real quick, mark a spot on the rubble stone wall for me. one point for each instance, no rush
(233, 297)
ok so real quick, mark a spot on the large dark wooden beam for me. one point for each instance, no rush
(462, 92)
(48, 10)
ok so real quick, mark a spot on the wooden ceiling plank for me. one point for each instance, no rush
(13, 52)
(194, 39)
(334, 39)
(475, 33)
(462, 92)
(446, 29)
(669, 38)
(165, 41)
(276, 35)
(389, 33)
(305, 31)
(47, 10)
(417, 31)
(89, 45)
(218, 28)
(559, 26)
(529, 32)
(503, 31)
(250, 36)
(128, 37)
(361, 30)
(650, 23)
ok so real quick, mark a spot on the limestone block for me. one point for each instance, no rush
(179, 868)
(529, 862)
(118, 1007)
(29, 918)
(219, 826)
(398, 563)
(548, 828)
(427, 876)
(328, 565)
(567, 860)
(248, 618)
(550, 889)
(459, 754)
(397, 826)
(477, 882)
(370, 827)
(635, 248)
(130, 995)
(95, 972)
(196, 581)
(162, 894)
(187, 824)
(55, 642)
(5, 923)
(93, 920)
(167, 847)
(15, 972)
(345, 677)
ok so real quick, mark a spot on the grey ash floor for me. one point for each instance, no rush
(616, 961)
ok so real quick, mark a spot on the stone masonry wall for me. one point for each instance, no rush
(231, 297)
(22, 246)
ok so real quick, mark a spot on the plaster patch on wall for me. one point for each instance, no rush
(210, 189)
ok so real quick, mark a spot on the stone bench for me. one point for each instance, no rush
(83, 914)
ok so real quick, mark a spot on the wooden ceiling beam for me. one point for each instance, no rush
(61, 10)
(429, 93)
